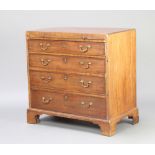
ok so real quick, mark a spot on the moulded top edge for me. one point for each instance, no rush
(74, 33)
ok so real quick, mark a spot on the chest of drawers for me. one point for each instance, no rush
(87, 74)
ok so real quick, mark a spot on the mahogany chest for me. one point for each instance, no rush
(87, 74)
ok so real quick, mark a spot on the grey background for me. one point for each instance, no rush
(13, 78)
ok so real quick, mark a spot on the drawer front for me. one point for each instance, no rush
(69, 82)
(69, 103)
(67, 47)
(68, 63)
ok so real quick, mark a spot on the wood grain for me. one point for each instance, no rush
(68, 82)
(68, 63)
(58, 82)
(80, 34)
(69, 103)
(108, 128)
(66, 47)
(121, 73)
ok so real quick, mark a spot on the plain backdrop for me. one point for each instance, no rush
(13, 78)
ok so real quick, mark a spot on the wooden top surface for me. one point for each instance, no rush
(86, 30)
(74, 33)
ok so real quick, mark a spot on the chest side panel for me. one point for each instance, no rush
(121, 73)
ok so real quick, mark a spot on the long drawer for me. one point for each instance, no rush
(67, 63)
(67, 47)
(70, 82)
(69, 103)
